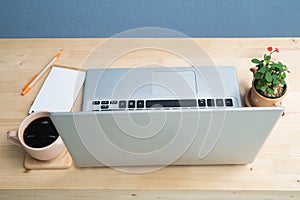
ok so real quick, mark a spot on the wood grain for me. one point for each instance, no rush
(275, 174)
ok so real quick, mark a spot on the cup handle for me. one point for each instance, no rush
(12, 136)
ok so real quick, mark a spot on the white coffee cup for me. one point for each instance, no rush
(48, 152)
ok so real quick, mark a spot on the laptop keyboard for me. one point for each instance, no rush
(138, 104)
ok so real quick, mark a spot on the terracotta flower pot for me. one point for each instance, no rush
(257, 99)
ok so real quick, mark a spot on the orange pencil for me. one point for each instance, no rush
(36, 77)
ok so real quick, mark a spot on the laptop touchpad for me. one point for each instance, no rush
(179, 84)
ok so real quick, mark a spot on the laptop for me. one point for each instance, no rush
(143, 88)
(159, 116)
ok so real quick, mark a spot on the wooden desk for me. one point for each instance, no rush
(274, 175)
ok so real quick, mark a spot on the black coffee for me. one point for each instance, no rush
(40, 133)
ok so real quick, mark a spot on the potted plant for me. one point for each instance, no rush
(268, 85)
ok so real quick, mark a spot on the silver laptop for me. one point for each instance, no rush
(146, 88)
(164, 116)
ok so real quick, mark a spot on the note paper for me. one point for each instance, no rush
(59, 90)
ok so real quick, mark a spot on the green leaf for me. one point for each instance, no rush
(276, 66)
(283, 76)
(275, 82)
(268, 76)
(255, 61)
(263, 69)
(267, 58)
(258, 75)
(260, 84)
(263, 88)
(282, 81)
(270, 91)
(257, 88)
(280, 67)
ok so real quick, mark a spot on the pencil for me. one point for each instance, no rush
(36, 77)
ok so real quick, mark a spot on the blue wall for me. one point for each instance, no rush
(104, 18)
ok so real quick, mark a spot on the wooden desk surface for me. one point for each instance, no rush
(275, 172)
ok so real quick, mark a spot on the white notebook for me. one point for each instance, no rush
(59, 90)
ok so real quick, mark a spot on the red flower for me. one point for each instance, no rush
(277, 50)
(270, 48)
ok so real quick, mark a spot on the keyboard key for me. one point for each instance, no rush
(210, 102)
(228, 102)
(171, 103)
(122, 104)
(104, 107)
(96, 102)
(219, 102)
(201, 102)
(113, 102)
(104, 102)
(140, 104)
(131, 104)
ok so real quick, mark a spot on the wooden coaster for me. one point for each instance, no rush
(247, 98)
(63, 161)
